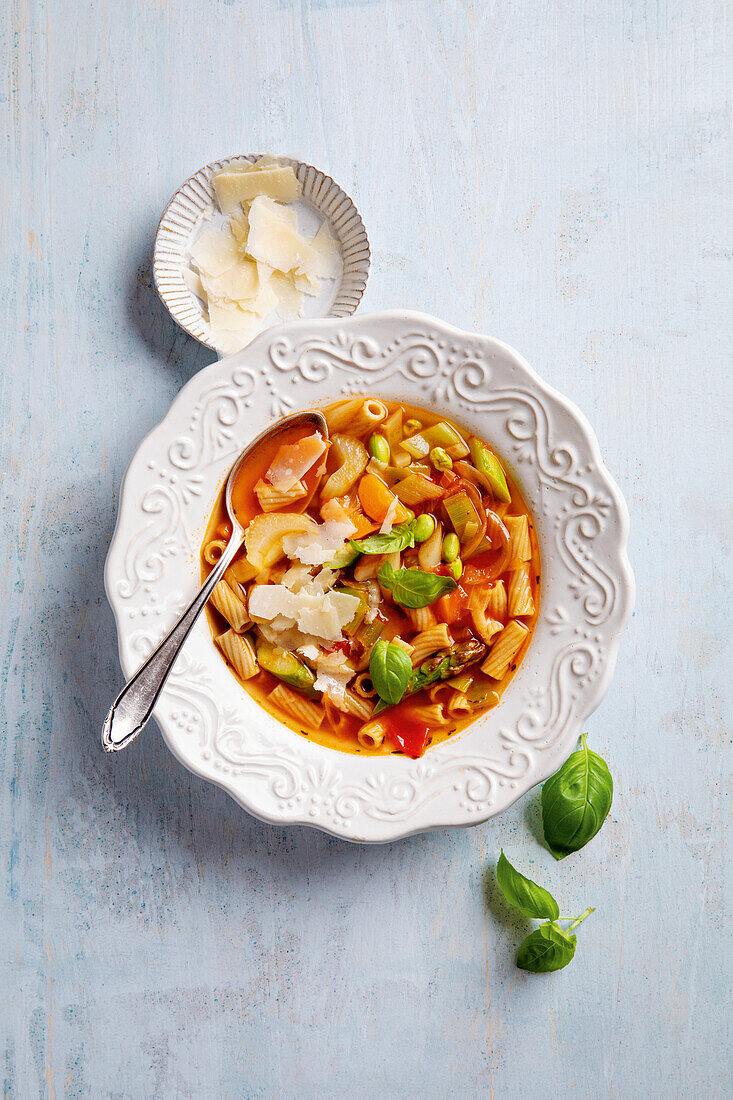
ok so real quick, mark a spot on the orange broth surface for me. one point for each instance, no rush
(406, 729)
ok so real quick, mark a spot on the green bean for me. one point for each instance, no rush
(379, 448)
(451, 547)
(424, 527)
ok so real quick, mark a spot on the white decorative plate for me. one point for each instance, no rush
(218, 731)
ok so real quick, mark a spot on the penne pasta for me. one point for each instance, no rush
(520, 592)
(520, 546)
(271, 498)
(485, 628)
(391, 429)
(428, 642)
(372, 734)
(363, 686)
(230, 605)
(242, 571)
(459, 703)
(422, 618)
(296, 705)
(505, 649)
(429, 713)
(496, 601)
(356, 704)
(214, 550)
(402, 644)
(240, 653)
(356, 416)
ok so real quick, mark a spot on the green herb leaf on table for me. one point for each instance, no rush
(414, 588)
(390, 670)
(546, 949)
(523, 894)
(576, 801)
(399, 538)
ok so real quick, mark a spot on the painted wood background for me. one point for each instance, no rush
(555, 174)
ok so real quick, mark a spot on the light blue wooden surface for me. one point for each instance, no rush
(555, 174)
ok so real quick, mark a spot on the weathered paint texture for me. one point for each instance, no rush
(555, 174)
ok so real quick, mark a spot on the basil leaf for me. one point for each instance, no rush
(399, 538)
(390, 669)
(419, 680)
(530, 899)
(412, 587)
(576, 801)
(546, 949)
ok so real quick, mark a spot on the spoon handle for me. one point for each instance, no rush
(134, 705)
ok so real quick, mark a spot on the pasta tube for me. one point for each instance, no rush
(520, 546)
(363, 686)
(371, 735)
(357, 416)
(357, 705)
(485, 628)
(271, 498)
(303, 710)
(428, 642)
(242, 570)
(422, 618)
(214, 550)
(429, 713)
(459, 703)
(520, 592)
(228, 604)
(240, 653)
(505, 649)
(391, 429)
(496, 601)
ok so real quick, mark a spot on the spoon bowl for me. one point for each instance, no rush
(132, 708)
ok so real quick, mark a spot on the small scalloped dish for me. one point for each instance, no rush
(585, 594)
(321, 207)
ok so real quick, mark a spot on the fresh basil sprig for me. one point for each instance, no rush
(390, 670)
(414, 588)
(549, 947)
(546, 949)
(525, 895)
(399, 538)
(576, 801)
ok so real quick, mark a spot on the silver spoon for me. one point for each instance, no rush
(133, 706)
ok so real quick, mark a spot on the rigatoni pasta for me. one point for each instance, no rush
(388, 582)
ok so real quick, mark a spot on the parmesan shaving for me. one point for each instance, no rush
(294, 460)
(256, 265)
(388, 520)
(319, 546)
(322, 615)
(235, 187)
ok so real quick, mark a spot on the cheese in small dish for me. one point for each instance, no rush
(254, 262)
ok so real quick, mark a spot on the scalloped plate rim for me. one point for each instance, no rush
(628, 586)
